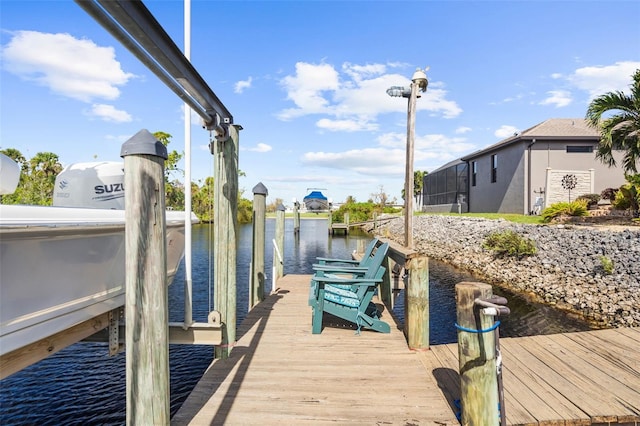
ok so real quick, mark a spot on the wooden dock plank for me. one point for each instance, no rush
(521, 365)
(594, 386)
(608, 371)
(280, 373)
(623, 359)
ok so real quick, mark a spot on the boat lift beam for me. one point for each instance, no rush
(134, 26)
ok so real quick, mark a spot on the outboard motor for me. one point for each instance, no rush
(9, 175)
(96, 185)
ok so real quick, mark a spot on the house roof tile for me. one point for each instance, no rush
(552, 129)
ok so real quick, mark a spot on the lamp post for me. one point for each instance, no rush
(418, 82)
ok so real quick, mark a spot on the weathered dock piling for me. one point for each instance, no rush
(477, 357)
(260, 193)
(416, 267)
(225, 231)
(278, 248)
(146, 302)
(296, 217)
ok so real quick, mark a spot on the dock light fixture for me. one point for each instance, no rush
(419, 83)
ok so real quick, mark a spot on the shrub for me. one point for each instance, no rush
(591, 199)
(574, 208)
(609, 194)
(621, 201)
(628, 196)
(607, 265)
(509, 243)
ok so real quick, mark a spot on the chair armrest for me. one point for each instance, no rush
(324, 260)
(344, 269)
(349, 281)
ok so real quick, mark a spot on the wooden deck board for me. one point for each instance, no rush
(280, 373)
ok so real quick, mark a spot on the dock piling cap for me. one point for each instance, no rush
(143, 143)
(260, 189)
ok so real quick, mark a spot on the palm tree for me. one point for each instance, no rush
(621, 129)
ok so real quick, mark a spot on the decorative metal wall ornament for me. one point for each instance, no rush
(569, 182)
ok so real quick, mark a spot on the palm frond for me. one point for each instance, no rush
(616, 116)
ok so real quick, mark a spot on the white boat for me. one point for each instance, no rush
(61, 266)
(316, 201)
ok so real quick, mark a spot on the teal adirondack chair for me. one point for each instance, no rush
(341, 267)
(349, 297)
(366, 258)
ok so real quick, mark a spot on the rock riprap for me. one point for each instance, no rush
(567, 271)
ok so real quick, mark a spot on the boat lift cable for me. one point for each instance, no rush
(134, 26)
(210, 236)
(188, 269)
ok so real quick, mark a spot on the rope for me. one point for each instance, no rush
(470, 330)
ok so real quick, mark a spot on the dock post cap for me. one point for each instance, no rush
(144, 143)
(260, 189)
(280, 208)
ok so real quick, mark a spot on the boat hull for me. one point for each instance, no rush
(62, 266)
(316, 201)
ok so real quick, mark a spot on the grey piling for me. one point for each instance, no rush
(477, 357)
(296, 217)
(279, 237)
(225, 231)
(260, 193)
(417, 307)
(146, 300)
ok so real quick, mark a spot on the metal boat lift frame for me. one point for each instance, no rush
(133, 25)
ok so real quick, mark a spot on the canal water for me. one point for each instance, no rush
(82, 385)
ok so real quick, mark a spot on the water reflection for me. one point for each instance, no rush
(526, 318)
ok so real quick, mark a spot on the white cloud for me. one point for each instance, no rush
(434, 100)
(76, 68)
(345, 125)
(242, 84)
(440, 144)
(506, 131)
(358, 72)
(598, 80)
(379, 161)
(118, 138)
(260, 147)
(109, 113)
(353, 98)
(559, 98)
(462, 130)
(305, 89)
(389, 157)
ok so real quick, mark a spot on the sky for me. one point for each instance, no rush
(307, 82)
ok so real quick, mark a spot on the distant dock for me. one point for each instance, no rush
(279, 372)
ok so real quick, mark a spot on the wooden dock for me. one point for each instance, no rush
(280, 373)
(339, 228)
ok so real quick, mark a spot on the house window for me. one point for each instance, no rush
(579, 148)
(494, 168)
(474, 172)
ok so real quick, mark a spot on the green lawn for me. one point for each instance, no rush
(517, 218)
(511, 217)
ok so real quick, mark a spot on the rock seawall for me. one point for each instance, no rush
(566, 271)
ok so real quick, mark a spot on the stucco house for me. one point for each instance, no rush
(549, 162)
